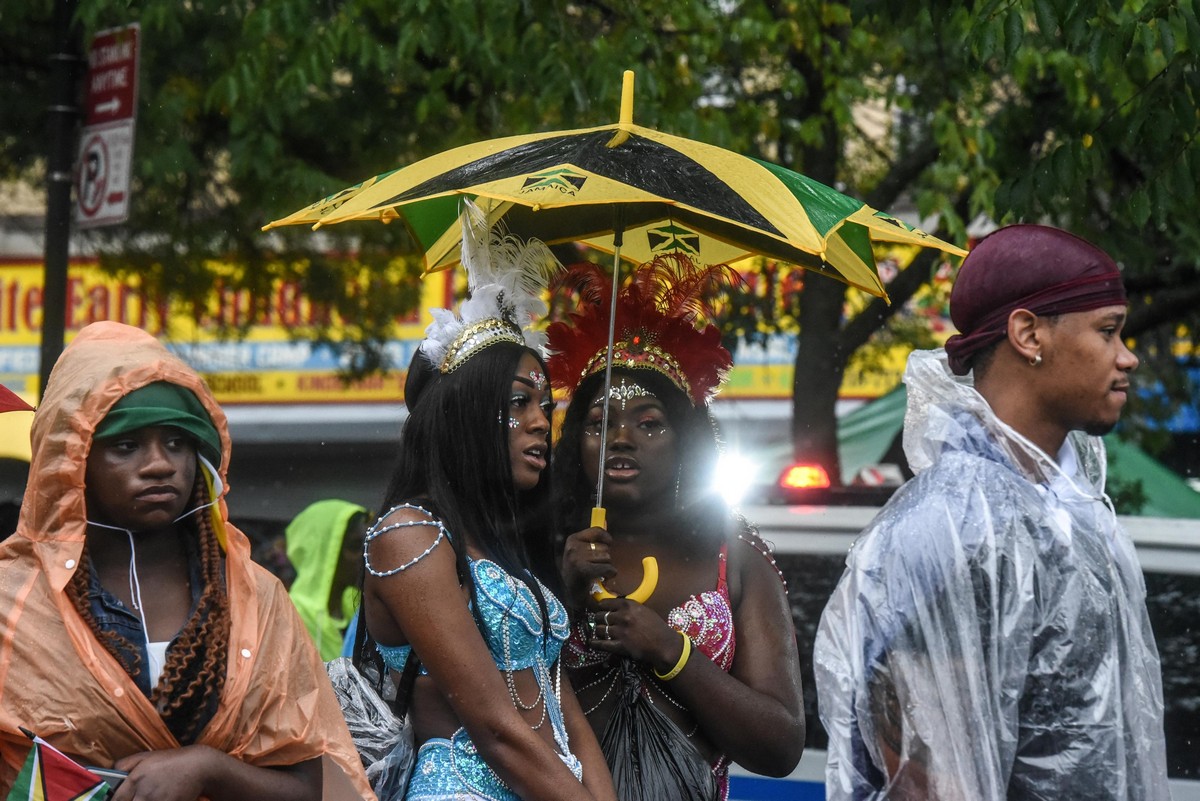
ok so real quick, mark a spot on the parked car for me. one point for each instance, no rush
(811, 543)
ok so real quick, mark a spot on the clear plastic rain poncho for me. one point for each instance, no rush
(989, 637)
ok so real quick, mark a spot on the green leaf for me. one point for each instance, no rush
(1139, 207)
(1147, 37)
(1046, 21)
(1096, 53)
(1166, 35)
(1183, 186)
(988, 41)
(1076, 28)
(1064, 166)
(1190, 20)
(1014, 33)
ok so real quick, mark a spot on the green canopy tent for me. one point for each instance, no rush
(866, 434)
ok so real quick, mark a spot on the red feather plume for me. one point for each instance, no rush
(661, 309)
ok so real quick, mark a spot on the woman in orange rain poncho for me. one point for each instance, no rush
(135, 632)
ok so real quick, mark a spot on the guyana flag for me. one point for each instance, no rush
(11, 401)
(50, 775)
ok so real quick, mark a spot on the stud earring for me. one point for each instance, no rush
(1036, 361)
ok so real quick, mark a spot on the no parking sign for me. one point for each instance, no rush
(106, 147)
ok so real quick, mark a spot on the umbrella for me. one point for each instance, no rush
(632, 191)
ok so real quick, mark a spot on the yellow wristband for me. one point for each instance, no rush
(683, 658)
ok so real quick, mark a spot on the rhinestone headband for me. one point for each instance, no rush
(477, 336)
(637, 354)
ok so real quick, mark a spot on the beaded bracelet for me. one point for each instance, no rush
(683, 658)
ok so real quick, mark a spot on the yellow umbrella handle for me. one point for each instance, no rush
(600, 520)
(649, 569)
(643, 591)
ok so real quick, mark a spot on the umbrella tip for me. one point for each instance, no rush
(627, 98)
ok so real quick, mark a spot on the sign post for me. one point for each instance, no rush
(62, 113)
(106, 147)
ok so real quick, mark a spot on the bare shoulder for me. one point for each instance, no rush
(401, 537)
(752, 569)
(766, 641)
(749, 554)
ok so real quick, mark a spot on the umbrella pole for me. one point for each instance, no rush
(598, 514)
(649, 564)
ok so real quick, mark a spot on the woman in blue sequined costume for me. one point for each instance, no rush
(450, 573)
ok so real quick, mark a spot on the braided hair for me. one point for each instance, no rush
(189, 690)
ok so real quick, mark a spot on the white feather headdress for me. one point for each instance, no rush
(506, 279)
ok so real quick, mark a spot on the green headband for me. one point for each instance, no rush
(163, 404)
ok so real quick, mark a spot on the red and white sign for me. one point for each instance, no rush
(106, 147)
(112, 75)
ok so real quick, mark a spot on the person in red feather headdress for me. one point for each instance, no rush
(705, 670)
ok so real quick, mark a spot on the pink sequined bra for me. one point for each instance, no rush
(707, 619)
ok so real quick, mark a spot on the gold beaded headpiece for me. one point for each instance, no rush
(506, 280)
(640, 353)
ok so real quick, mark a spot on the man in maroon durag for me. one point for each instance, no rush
(989, 637)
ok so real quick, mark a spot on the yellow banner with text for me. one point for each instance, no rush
(273, 363)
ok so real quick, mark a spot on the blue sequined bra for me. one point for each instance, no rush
(512, 621)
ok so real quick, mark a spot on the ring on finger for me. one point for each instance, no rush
(606, 618)
(592, 545)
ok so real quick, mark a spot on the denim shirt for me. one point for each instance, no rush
(112, 615)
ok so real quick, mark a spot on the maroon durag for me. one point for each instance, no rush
(1034, 267)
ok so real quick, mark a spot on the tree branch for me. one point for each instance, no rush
(903, 174)
(1164, 307)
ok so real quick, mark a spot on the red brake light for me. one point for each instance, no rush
(804, 476)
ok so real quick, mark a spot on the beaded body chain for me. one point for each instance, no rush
(757, 543)
(375, 531)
